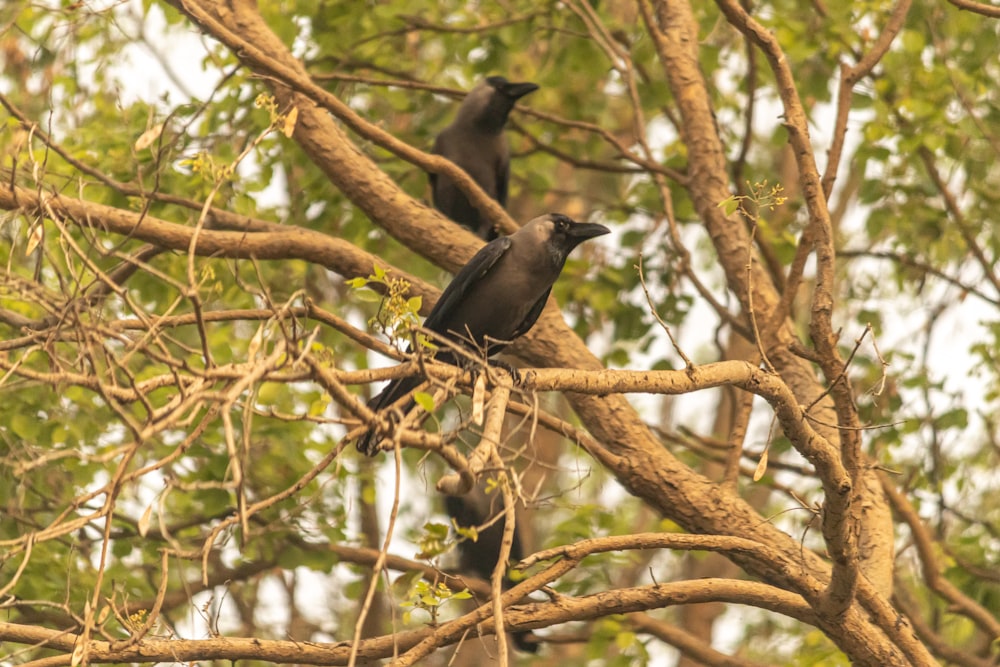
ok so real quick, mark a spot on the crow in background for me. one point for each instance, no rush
(475, 141)
(479, 556)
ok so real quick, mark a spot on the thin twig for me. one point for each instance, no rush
(843, 373)
(380, 563)
(751, 312)
(652, 308)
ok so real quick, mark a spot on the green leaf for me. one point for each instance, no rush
(319, 406)
(729, 204)
(424, 400)
(369, 296)
(913, 41)
(24, 426)
(469, 532)
(624, 640)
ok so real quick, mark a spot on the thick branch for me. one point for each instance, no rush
(287, 243)
(842, 517)
(537, 615)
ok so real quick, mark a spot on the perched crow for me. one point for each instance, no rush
(496, 297)
(493, 299)
(475, 142)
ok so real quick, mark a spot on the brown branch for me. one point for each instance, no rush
(690, 645)
(641, 164)
(748, 116)
(955, 211)
(377, 568)
(737, 373)
(519, 618)
(288, 243)
(737, 440)
(931, 569)
(991, 11)
(573, 159)
(577, 551)
(626, 154)
(643, 598)
(499, 406)
(842, 518)
(675, 33)
(914, 263)
(935, 641)
(849, 76)
(368, 557)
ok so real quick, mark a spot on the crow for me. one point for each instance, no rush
(479, 556)
(495, 298)
(475, 141)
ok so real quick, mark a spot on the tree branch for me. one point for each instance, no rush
(992, 11)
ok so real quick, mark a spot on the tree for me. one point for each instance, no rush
(803, 196)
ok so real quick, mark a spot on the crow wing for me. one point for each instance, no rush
(471, 273)
(532, 316)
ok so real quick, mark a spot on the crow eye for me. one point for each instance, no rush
(562, 225)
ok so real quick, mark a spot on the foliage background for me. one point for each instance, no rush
(169, 475)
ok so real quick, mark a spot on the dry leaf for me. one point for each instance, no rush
(761, 467)
(77, 654)
(478, 399)
(254, 347)
(147, 138)
(289, 125)
(34, 238)
(103, 615)
(144, 521)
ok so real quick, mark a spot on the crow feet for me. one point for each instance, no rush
(515, 374)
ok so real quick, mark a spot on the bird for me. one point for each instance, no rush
(475, 141)
(479, 556)
(494, 299)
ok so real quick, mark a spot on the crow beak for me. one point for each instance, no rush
(581, 231)
(516, 91)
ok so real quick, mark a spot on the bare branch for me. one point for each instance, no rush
(992, 11)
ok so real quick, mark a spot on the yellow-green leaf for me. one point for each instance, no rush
(424, 400)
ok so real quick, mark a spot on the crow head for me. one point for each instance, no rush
(558, 234)
(514, 91)
(488, 104)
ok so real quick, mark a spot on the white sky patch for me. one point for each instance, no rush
(167, 65)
